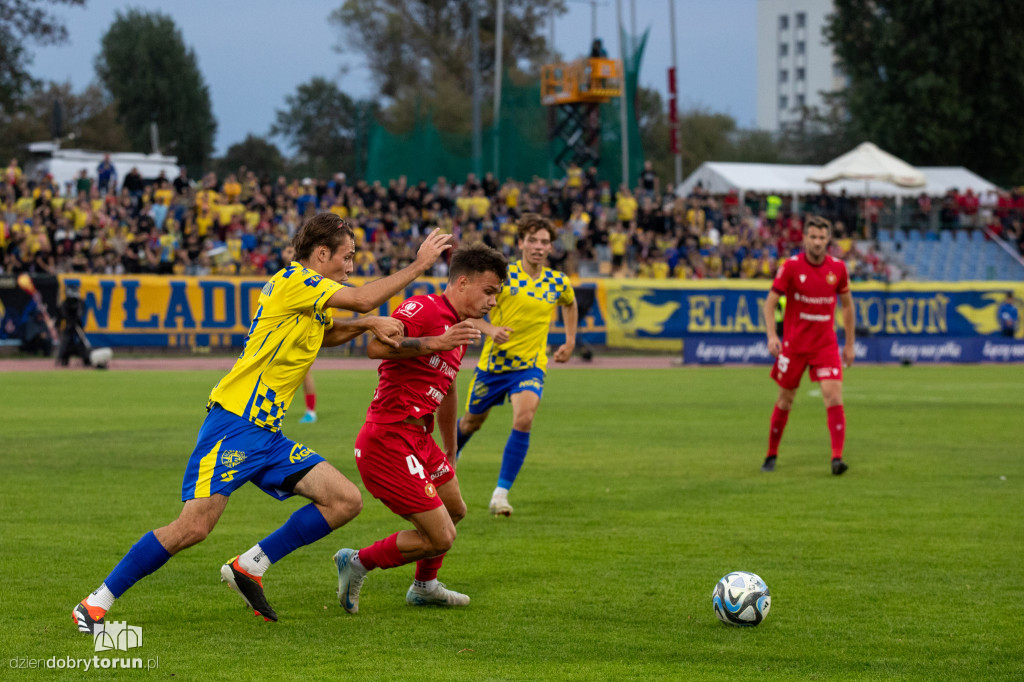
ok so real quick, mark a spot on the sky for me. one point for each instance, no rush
(254, 54)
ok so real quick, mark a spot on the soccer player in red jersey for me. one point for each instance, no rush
(810, 281)
(398, 459)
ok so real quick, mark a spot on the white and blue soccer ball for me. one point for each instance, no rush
(741, 598)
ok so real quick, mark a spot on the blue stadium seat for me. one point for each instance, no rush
(914, 236)
(962, 237)
(946, 237)
(885, 235)
(978, 237)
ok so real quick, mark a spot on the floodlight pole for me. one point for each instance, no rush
(624, 131)
(498, 45)
(678, 151)
(474, 29)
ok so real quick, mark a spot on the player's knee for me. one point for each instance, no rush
(343, 506)
(471, 424)
(457, 511)
(194, 531)
(440, 541)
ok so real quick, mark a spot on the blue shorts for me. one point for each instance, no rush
(489, 388)
(231, 451)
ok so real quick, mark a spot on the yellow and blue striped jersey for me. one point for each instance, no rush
(525, 305)
(283, 340)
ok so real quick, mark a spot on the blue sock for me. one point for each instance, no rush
(143, 558)
(304, 527)
(512, 460)
(460, 439)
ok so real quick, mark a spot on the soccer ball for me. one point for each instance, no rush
(741, 598)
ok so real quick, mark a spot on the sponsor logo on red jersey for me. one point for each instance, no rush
(409, 308)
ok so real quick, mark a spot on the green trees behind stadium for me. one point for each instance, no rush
(154, 77)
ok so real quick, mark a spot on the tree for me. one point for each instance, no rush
(155, 78)
(323, 123)
(256, 153)
(935, 82)
(419, 51)
(22, 20)
(86, 120)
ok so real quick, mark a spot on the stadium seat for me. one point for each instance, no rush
(946, 237)
(885, 235)
(978, 237)
(914, 236)
(962, 237)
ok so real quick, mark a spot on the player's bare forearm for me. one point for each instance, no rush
(770, 303)
(849, 327)
(447, 416)
(343, 331)
(498, 334)
(571, 316)
(408, 347)
(369, 296)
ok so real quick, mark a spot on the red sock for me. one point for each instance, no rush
(779, 419)
(311, 402)
(426, 569)
(837, 429)
(382, 554)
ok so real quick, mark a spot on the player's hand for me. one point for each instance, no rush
(436, 243)
(774, 346)
(849, 355)
(500, 334)
(564, 352)
(461, 334)
(387, 329)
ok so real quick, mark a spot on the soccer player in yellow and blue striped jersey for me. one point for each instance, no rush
(514, 357)
(241, 440)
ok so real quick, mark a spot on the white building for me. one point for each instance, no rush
(794, 63)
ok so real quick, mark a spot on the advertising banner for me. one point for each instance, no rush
(705, 320)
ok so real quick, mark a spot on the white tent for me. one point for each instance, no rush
(869, 163)
(718, 177)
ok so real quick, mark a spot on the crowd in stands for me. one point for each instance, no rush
(240, 224)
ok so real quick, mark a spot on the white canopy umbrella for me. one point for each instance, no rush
(868, 162)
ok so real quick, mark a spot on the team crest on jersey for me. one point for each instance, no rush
(551, 297)
(429, 490)
(409, 308)
(480, 390)
(831, 278)
(803, 278)
(232, 458)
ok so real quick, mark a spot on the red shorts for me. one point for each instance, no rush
(401, 465)
(824, 364)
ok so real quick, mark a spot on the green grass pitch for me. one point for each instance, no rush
(642, 489)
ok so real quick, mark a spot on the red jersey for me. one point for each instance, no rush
(414, 387)
(810, 291)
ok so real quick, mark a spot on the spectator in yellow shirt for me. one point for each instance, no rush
(625, 206)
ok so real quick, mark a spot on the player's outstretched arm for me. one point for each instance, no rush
(385, 329)
(571, 316)
(460, 334)
(369, 296)
(774, 345)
